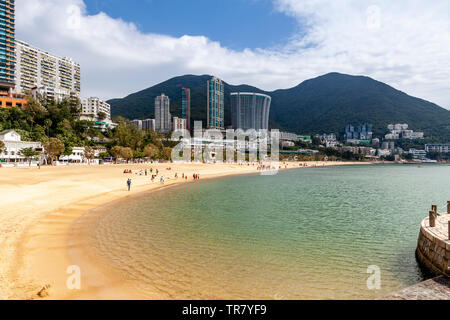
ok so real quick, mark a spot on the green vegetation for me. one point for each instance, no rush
(57, 126)
(29, 154)
(324, 104)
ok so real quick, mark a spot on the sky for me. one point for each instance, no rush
(127, 46)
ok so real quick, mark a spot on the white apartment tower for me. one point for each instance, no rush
(40, 72)
(93, 108)
(163, 119)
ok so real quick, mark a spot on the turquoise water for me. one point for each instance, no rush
(302, 234)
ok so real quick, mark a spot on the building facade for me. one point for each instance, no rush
(179, 124)
(186, 106)
(250, 110)
(215, 116)
(163, 119)
(439, 148)
(146, 125)
(8, 99)
(39, 72)
(7, 39)
(13, 146)
(95, 109)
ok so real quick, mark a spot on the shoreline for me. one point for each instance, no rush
(39, 246)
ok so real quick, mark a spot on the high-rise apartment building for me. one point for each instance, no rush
(215, 101)
(250, 110)
(163, 119)
(39, 72)
(146, 125)
(186, 106)
(95, 109)
(7, 38)
(8, 99)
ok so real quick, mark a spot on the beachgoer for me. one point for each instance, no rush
(129, 184)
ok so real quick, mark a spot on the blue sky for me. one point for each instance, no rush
(236, 24)
(125, 46)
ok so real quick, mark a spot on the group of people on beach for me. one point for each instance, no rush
(155, 173)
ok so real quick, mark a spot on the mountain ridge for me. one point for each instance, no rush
(323, 104)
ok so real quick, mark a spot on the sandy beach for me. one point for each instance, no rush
(39, 239)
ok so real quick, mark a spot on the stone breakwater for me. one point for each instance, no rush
(433, 248)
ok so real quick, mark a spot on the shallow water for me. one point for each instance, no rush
(302, 234)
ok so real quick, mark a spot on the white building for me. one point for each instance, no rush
(163, 119)
(39, 72)
(13, 145)
(179, 124)
(398, 131)
(93, 108)
(418, 154)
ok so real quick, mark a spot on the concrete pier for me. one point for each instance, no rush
(433, 247)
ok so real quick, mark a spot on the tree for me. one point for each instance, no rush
(2, 147)
(54, 147)
(151, 151)
(127, 154)
(104, 155)
(116, 152)
(89, 154)
(29, 153)
(167, 153)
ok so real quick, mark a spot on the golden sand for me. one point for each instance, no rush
(39, 207)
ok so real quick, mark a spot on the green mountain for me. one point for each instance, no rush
(324, 104)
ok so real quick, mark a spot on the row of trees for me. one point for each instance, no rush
(57, 125)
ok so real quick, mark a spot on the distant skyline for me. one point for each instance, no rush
(126, 47)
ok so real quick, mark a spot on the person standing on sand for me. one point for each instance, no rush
(129, 184)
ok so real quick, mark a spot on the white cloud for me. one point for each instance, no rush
(406, 45)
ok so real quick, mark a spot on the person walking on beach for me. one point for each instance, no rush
(129, 184)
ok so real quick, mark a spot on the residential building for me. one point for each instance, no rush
(41, 73)
(288, 136)
(215, 116)
(363, 132)
(163, 119)
(179, 124)
(148, 124)
(440, 148)
(7, 36)
(186, 106)
(250, 110)
(8, 98)
(401, 131)
(95, 109)
(13, 145)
